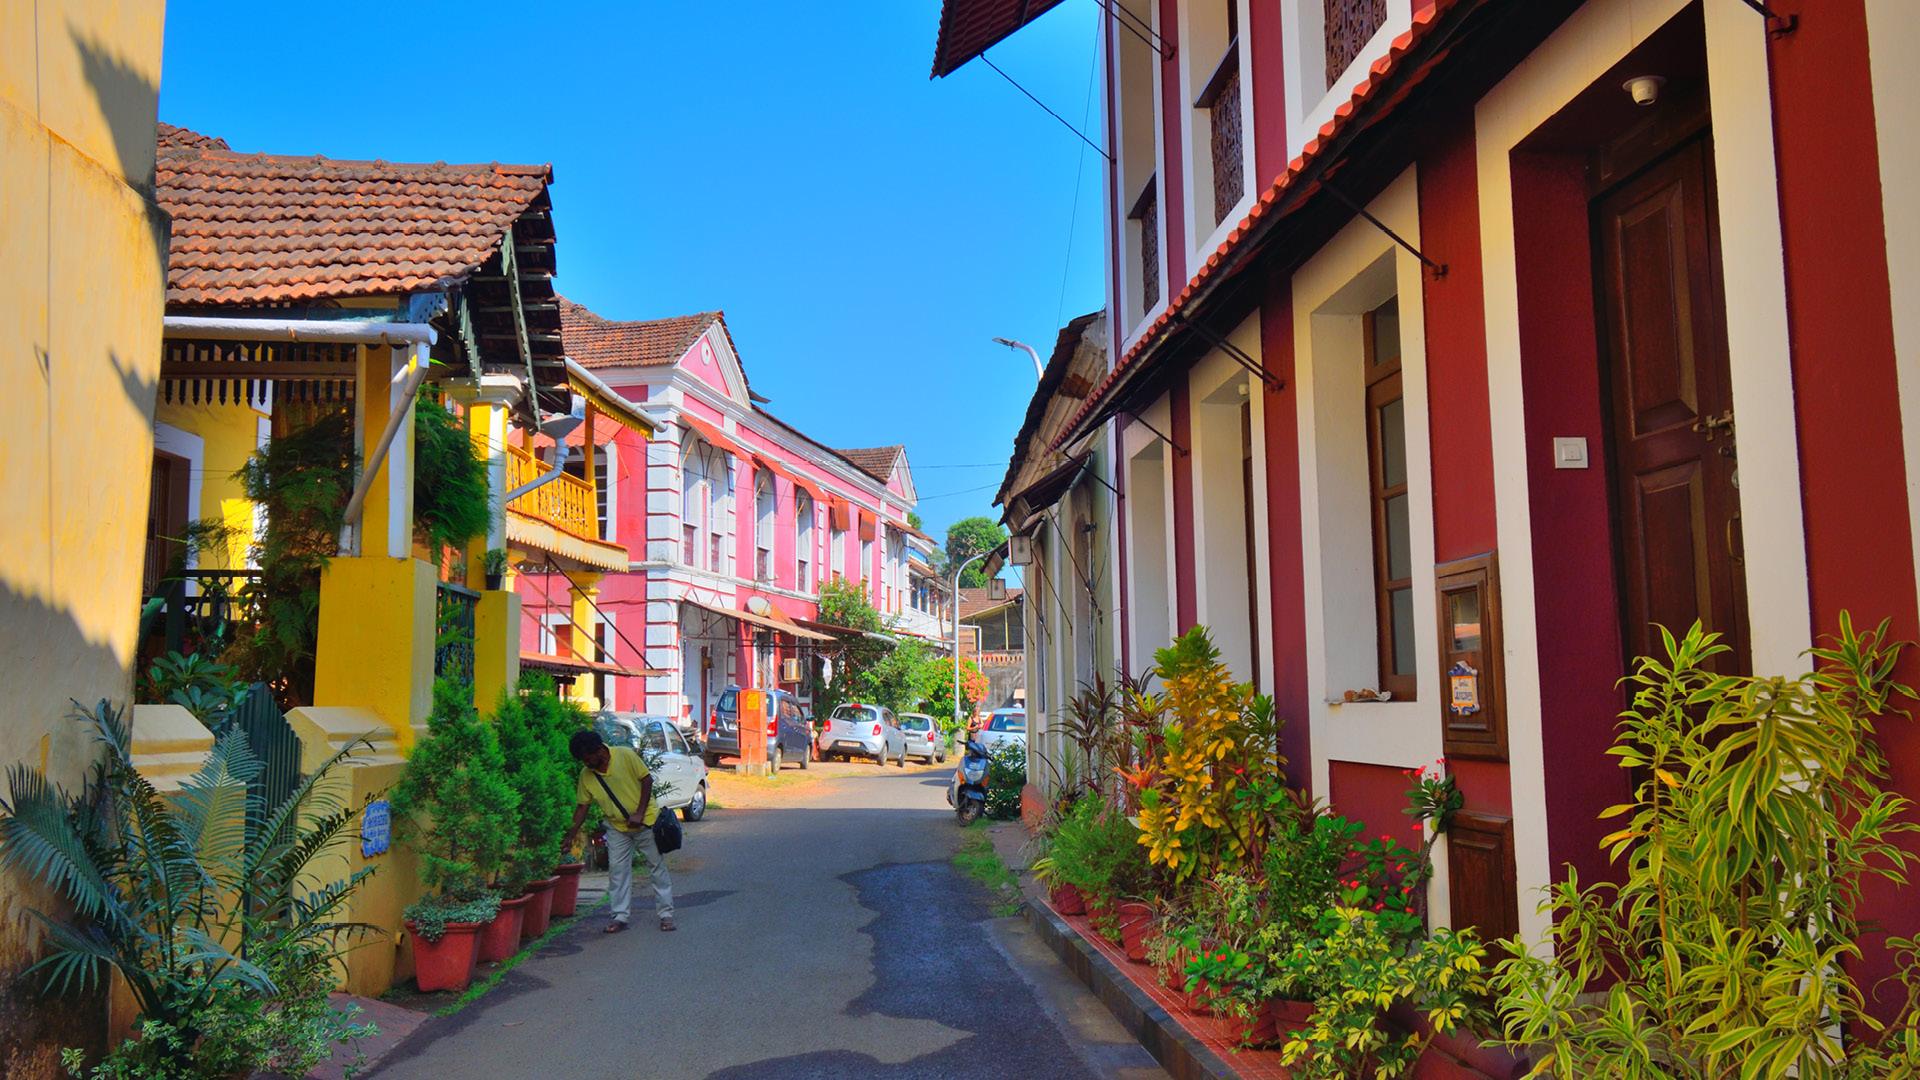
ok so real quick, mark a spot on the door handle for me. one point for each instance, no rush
(1710, 425)
(1734, 552)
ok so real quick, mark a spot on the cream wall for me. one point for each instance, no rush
(229, 434)
(79, 356)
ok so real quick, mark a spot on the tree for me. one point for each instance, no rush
(913, 521)
(973, 688)
(843, 603)
(969, 537)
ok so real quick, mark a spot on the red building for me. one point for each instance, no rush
(1432, 320)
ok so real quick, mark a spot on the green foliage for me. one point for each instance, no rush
(496, 562)
(1006, 775)
(204, 687)
(1758, 816)
(451, 500)
(913, 521)
(969, 537)
(147, 884)
(303, 480)
(939, 701)
(1096, 850)
(454, 802)
(429, 915)
(533, 727)
(1364, 969)
(843, 603)
(979, 861)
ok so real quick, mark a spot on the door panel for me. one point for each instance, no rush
(1671, 443)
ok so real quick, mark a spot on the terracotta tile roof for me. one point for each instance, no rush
(1289, 183)
(875, 461)
(975, 601)
(592, 341)
(264, 228)
(971, 27)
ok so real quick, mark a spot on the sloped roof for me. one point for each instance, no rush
(875, 461)
(971, 27)
(593, 341)
(1053, 383)
(975, 601)
(269, 228)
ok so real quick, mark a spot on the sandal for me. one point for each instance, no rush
(616, 926)
(666, 922)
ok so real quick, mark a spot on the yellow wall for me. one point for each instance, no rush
(84, 249)
(228, 433)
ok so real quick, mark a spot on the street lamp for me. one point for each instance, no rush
(1039, 371)
(956, 630)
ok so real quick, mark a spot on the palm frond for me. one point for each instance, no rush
(214, 804)
(270, 844)
(39, 840)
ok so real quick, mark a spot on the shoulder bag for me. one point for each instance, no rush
(666, 824)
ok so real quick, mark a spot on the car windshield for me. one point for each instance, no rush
(856, 712)
(1008, 722)
(613, 732)
(914, 723)
(728, 701)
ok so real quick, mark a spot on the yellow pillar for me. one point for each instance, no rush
(585, 590)
(496, 619)
(375, 649)
(386, 520)
(496, 647)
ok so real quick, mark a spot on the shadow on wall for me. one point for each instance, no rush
(48, 643)
(129, 102)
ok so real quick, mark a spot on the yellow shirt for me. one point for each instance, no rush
(623, 775)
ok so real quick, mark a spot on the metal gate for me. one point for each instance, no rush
(272, 740)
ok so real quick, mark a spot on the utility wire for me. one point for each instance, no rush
(1063, 120)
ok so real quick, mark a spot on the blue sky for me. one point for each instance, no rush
(866, 230)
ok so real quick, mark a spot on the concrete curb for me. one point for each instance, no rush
(1183, 1055)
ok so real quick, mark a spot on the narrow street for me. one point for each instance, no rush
(824, 932)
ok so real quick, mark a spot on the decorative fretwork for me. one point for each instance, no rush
(1227, 147)
(566, 502)
(1350, 25)
(195, 372)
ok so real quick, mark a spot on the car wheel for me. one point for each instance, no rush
(806, 757)
(712, 760)
(775, 757)
(696, 809)
(902, 760)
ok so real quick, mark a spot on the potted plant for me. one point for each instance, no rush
(533, 727)
(500, 938)
(454, 805)
(1062, 895)
(495, 567)
(446, 938)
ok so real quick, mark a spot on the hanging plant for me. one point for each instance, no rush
(451, 500)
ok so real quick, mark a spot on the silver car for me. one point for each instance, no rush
(863, 731)
(1004, 726)
(677, 767)
(923, 736)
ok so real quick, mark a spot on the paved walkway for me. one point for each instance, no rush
(825, 934)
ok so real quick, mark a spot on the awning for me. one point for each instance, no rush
(835, 631)
(1047, 490)
(773, 621)
(840, 513)
(574, 665)
(712, 434)
(608, 401)
(793, 476)
(531, 532)
(971, 27)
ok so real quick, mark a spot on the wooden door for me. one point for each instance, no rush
(1671, 434)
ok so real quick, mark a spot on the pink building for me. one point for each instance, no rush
(732, 520)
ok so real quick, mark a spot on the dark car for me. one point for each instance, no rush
(789, 728)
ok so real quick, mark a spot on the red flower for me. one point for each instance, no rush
(1379, 907)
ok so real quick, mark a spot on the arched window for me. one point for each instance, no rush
(693, 500)
(803, 540)
(763, 519)
(719, 470)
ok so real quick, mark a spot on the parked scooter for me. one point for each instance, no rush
(968, 792)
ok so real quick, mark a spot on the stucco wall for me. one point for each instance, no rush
(79, 356)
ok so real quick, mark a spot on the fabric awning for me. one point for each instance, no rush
(971, 27)
(773, 621)
(711, 433)
(574, 665)
(763, 461)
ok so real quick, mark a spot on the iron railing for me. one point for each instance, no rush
(200, 609)
(453, 643)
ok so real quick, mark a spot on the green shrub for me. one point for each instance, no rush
(147, 885)
(451, 500)
(430, 915)
(1006, 776)
(1097, 850)
(453, 803)
(533, 726)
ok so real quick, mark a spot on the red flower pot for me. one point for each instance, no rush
(1067, 899)
(539, 909)
(446, 964)
(501, 937)
(1096, 907)
(1136, 923)
(1278, 1018)
(566, 888)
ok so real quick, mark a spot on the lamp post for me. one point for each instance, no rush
(957, 571)
(1039, 369)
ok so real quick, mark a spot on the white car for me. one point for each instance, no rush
(678, 769)
(1004, 726)
(866, 731)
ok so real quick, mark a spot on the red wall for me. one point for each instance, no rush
(1285, 560)
(1266, 45)
(1375, 795)
(1180, 409)
(1575, 604)
(1852, 462)
(1172, 183)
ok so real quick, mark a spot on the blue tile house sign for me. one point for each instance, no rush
(376, 828)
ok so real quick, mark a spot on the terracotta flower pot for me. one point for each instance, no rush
(1096, 907)
(539, 909)
(446, 964)
(501, 937)
(566, 889)
(1136, 925)
(1066, 899)
(1200, 1000)
(1276, 1019)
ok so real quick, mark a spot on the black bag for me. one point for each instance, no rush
(666, 824)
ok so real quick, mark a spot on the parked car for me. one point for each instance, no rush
(923, 737)
(863, 731)
(676, 766)
(1004, 726)
(789, 728)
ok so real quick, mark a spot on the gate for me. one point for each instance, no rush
(453, 643)
(272, 740)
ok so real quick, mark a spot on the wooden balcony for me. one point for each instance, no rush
(566, 506)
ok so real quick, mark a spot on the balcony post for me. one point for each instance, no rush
(584, 591)
(496, 617)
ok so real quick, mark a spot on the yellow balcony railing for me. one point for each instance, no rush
(566, 503)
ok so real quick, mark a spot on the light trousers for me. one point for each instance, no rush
(620, 849)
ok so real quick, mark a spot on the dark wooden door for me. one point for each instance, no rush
(1663, 330)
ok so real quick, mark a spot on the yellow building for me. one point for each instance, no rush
(79, 336)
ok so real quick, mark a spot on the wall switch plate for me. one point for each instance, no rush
(1569, 452)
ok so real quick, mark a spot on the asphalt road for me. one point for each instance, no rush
(823, 933)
